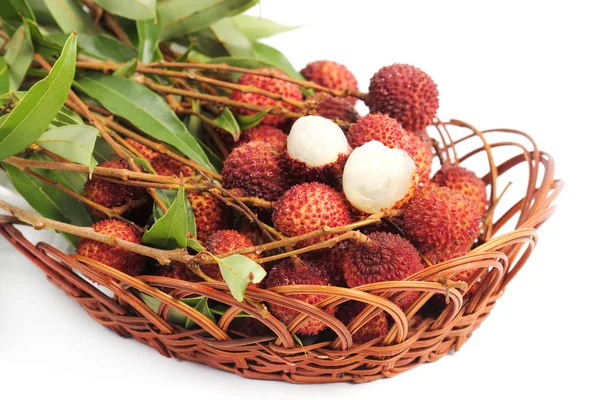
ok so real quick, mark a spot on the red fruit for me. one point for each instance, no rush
(255, 168)
(465, 181)
(210, 214)
(308, 207)
(179, 271)
(375, 328)
(144, 151)
(330, 261)
(264, 133)
(162, 164)
(335, 108)
(298, 272)
(113, 256)
(405, 93)
(222, 242)
(331, 75)
(442, 223)
(249, 327)
(273, 85)
(422, 157)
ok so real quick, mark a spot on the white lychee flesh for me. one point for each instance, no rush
(316, 141)
(376, 177)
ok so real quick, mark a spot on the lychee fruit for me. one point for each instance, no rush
(405, 93)
(210, 214)
(264, 133)
(330, 261)
(465, 181)
(316, 150)
(422, 157)
(335, 108)
(331, 75)
(298, 272)
(255, 168)
(161, 163)
(113, 256)
(249, 327)
(308, 207)
(225, 241)
(377, 177)
(442, 223)
(144, 150)
(273, 85)
(373, 329)
(177, 270)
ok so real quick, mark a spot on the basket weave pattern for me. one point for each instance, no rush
(413, 338)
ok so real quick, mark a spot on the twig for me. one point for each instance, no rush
(113, 24)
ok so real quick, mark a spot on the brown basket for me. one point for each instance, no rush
(415, 336)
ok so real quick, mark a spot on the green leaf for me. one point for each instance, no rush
(228, 122)
(73, 142)
(29, 119)
(202, 306)
(199, 303)
(249, 121)
(4, 80)
(223, 38)
(238, 271)
(168, 197)
(103, 152)
(100, 46)
(127, 69)
(70, 16)
(18, 57)
(182, 17)
(258, 28)
(67, 117)
(131, 9)
(148, 35)
(173, 316)
(195, 245)
(274, 57)
(170, 231)
(15, 10)
(43, 45)
(146, 110)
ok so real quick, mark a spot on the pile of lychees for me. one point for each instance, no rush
(328, 169)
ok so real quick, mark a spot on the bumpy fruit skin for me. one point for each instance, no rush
(249, 327)
(422, 157)
(110, 194)
(299, 172)
(375, 328)
(255, 168)
(301, 272)
(330, 260)
(335, 108)
(179, 271)
(113, 256)
(308, 207)
(264, 133)
(162, 164)
(331, 75)
(210, 214)
(144, 151)
(442, 223)
(405, 93)
(465, 181)
(273, 85)
(224, 241)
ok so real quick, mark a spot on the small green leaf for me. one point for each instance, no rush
(223, 38)
(103, 152)
(14, 10)
(199, 303)
(67, 117)
(73, 142)
(170, 231)
(4, 81)
(70, 16)
(238, 271)
(173, 316)
(195, 245)
(227, 121)
(146, 110)
(168, 197)
(274, 57)
(202, 306)
(132, 9)
(100, 46)
(29, 119)
(43, 45)
(250, 121)
(148, 36)
(127, 69)
(258, 28)
(18, 57)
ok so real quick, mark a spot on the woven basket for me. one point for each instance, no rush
(416, 336)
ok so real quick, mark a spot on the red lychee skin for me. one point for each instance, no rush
(308, 207)
(162, 164)
(255, 168)
(331, 75)
(225, 241)
(210, 214)
(465, 181)
(249, 327)
(300, 272)
(330, 261)
(442, 223)
(385, 257)
(422, 157)
(144, 151)
(335, 108)
(299, 172)
(405, 93)
(110, 194)
(179, 271)
(264, 133)
(113, 256)
(375, 328)
(273, 85)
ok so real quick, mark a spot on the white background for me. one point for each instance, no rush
(513, 64)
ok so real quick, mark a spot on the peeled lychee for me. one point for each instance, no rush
(373, 329)
(225, 241)
(377, 177)
(308, 207)
(442, 223)
(298, 272)
(210, 214)
(316, 150)
(113, 256)
(465, 181)
(335, 108)
(273, 85)
(264, 133)
(405, 93)
(255, 168)
(331, 75)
